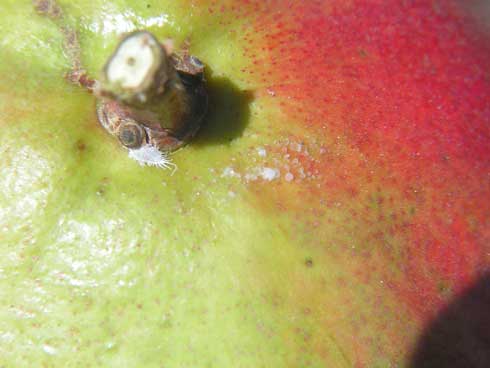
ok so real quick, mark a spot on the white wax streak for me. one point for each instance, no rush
(149, 155)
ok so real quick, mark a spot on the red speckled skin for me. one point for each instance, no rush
(393, 100)
(407, 90)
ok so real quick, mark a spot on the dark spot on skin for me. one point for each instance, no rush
(362, 53)
(41, 6)
(444, 289)
(86, 82)
(131, 61)
(148, 6)
(48, 8)
(81, 146)
(102, 188)
(309, 262)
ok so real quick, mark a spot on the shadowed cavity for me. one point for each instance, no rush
(228, 113)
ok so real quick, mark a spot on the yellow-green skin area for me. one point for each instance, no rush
(105, 263)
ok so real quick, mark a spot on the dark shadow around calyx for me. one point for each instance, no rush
(228, 112)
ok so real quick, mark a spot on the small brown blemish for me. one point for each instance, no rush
(81, 146)
(444, 289)
(48, 8)
(103, 186)
(41, 6)
(309, 262)
(79, 77)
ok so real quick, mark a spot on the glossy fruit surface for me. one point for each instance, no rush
(335, 201)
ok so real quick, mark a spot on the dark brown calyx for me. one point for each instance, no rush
(164, 93)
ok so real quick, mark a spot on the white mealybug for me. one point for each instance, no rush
(148, 155)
